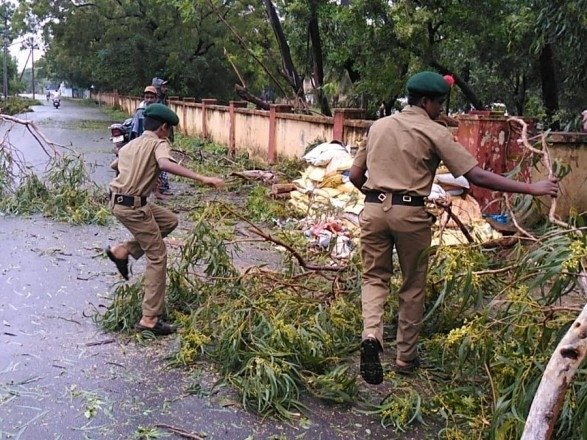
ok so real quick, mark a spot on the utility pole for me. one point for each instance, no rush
(30, 43)
(5, 66)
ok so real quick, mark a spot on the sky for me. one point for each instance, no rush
(22, 55)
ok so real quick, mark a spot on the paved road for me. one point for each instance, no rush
(60, 376)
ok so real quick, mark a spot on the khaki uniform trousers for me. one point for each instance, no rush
(408, 228)
(149, 225)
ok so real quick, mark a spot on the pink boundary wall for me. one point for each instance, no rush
(267, 135)
(278, 133)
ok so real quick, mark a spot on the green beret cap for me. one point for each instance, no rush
(428, 84)
(161, 113)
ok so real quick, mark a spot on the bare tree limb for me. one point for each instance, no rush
(241, 79)
(289, 69)
(546, 161)
(36, 133)
(558, 375)
(452, 215)
(244, 45)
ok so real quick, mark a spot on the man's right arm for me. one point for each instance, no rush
(487, 179)
(174, 168)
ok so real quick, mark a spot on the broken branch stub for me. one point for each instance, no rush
(558, 374)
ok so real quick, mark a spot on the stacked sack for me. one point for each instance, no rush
(447, 188)
(324, 188)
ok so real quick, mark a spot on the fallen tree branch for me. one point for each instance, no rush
(558, 375)
(36, 133)
(244, 94)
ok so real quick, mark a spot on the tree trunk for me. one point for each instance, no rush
(433, 38)
(549, 85)
(318, 68)
(244, 94)
(520, 94)
(289, 70)
(558, 374)
(467, 91)
(354, 74)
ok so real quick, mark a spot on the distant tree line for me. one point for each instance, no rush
(530, 55)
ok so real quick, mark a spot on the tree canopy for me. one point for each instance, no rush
(528, 54)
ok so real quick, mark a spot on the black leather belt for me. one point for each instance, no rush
(396, 199)
(121, 199)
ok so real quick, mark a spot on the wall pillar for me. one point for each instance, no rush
(205, 104)
(183, 124)
(340, 116)
(273, 110)
(232, 125)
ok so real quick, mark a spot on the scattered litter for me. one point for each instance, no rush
(260, 175)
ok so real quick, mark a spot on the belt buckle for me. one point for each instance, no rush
(119, 199)
(381, 197)
(407, 199)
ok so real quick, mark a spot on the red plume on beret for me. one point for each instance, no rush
(449, 80)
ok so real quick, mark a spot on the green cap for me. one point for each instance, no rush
(427, 84)
(161, 113)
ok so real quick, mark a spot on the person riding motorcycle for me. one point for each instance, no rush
(56, 99)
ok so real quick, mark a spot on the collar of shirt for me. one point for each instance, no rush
(150, 134)
(415, 110)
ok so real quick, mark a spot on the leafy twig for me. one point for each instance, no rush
(179, 431)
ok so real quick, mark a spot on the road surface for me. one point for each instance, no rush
(61, 377)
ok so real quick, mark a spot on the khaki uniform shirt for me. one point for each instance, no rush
(404, 150)
(137, 165)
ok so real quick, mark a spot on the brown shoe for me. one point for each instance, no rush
(409, 368)
(161, 328)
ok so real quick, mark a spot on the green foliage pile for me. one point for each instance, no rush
(275, 334)
(493, 321)
(15, 105)
(64, 193)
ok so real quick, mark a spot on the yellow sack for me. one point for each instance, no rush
(331, 181)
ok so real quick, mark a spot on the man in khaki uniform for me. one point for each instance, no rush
(139, 164)
(395, 170)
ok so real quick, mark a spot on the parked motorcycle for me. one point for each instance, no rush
(56, 102)
(120, 134)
